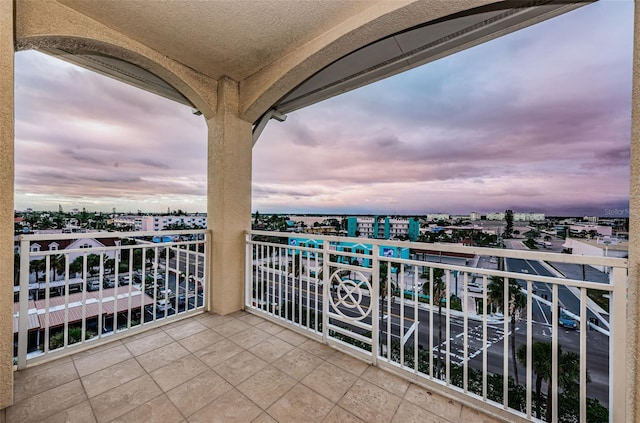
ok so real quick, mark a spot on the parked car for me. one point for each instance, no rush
(567, 321)
(472, 287)
(162, 307)
(108, 283)
(123, 280)
(93, 285)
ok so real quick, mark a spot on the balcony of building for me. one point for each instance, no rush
(331, 331)
(79, 342)
(233, 368)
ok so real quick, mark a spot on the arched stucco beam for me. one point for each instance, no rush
(48, 24)
(264, 88)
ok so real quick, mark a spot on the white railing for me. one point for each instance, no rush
(78, 290)
(550, 359)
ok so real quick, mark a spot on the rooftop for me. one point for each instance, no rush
(234, 368)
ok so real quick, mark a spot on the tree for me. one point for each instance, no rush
(508, 217)
(568, 371)
(37, 266)
(511, 306)
(439, 294)
(93, 261)
(297, 266)
(540, 365)
(57, 265)
(76, 265)
(385, 282)
(109, 264)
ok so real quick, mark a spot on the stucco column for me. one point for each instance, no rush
(633, 295)
(228, 198)
(6, 205)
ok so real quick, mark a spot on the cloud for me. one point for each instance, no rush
(497, 126)
(82, 138)
(537, 120)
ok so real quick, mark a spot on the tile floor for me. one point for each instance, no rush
(210, 368)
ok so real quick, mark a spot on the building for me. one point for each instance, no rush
(475, 216)
(159, 223)
(364, 248)
(528, 217)
(435, 217)
(495, 216)
(518, 216)
(600, 247)
(383, 227)
(591, 230)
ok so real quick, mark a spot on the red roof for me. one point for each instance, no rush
(75, 308)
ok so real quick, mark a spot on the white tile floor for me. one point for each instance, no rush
(210, 368)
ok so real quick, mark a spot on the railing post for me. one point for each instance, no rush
(617, 347)
(326, 278)
(248, 271)
(208, 266)
(375, 300)
(23, 322)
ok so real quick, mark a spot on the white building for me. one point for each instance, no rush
(528, 217)
(124, 221)
(398, 227)
(437, 216)
(518, 216)
(581, 228)
(475, 216)
(159, 223)
(600, 247)
(495, 216)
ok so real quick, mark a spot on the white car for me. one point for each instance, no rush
(474, 288)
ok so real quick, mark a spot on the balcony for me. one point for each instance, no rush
(81, 290)
(517, 333)
(332, 332)
(234, 368)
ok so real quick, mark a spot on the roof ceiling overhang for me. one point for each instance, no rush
(239, 39)
(420, 45)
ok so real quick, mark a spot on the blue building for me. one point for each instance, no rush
(336, 248)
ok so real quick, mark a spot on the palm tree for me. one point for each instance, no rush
(109, 264)
(517, 301)
(76, 265)
(37, 266)
(297, 266)
(93, 261)
(568, 371)
(57, 264)
(540, 364)
(439, 294)
(384, 277)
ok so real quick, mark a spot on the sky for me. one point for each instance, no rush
(538, 120)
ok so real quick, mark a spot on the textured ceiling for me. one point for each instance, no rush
(235, 38)
(258, 42)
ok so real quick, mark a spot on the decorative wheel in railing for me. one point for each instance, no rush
(347, 293)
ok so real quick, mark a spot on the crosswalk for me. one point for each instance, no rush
(475, 343)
